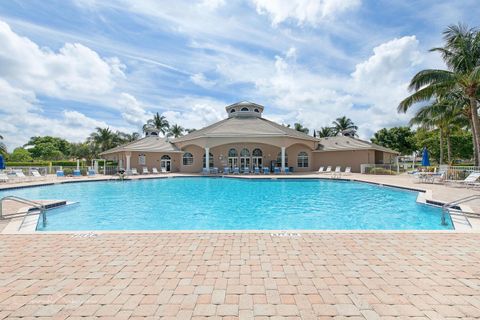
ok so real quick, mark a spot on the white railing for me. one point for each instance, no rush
(382, 169)
(460, 172)
(46, 170)
(451, 172)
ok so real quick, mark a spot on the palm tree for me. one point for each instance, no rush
(190, 130)
(344, 126)
(123, 137)
(157, 122)
(299, 127)
(325, 132)
(103, 139)
(176, 131)
(3, 147)
(443, 115)
(461, 54)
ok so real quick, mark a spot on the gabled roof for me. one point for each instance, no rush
(147, 144)
(245, 127)
(343, 143)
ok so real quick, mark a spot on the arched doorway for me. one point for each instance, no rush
(245, 158)
(165, 163)
(257, 158)
(232, 158)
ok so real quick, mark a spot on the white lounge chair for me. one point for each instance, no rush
(3, 177)
(328, 170)
(163, 170)
(37, 175)
(348, 170)
(470, 180)
(145, 170)
(337, 173)
(134, 171)
(154, 170)
(321, 170)
(21, 176)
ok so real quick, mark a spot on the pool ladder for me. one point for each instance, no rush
(453, 208)
(39, 209)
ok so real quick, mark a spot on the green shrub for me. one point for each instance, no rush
(27, 164)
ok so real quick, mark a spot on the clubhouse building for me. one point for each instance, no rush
(246, 140)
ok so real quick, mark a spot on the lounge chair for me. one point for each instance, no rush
(469, 181)
(348, 170)
(3, 177)
(328, 170)
(154, 170)
(246, 170)
(91, 172)
(337, 173)
(287, 170)
(133, 171)
(163, 170)
(60, 173)
(236, 170)
(214, 170)
(266, 170)
(226, 170)
(205, 171)
(257, 170)
(77, 173)
(276, 170)
(321, 170)
(36, 174)
(145, 170)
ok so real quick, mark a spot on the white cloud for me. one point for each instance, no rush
(132, 110)
(304, 11)
(200, 80)
(212, 4)
(75, 71)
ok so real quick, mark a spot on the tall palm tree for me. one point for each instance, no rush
(325, 132)
(344, 126)
(123, 137)
(103, 139)
(461, 54)
(157, 122)
(3, 147)
(443, 115)
(176, 131)
(299, 127)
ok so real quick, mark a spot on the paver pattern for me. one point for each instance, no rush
(241, 276)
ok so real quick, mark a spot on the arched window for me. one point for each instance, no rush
(153, 133)
(187, 159)
(256, 110)
(244, 153)
(141, 159)
(232, 153)
(210, 160)
(244, 109)
(302, 160)
(232, 111)
(257, 152)
(165, 157)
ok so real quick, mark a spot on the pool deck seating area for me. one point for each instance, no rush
(244, 274)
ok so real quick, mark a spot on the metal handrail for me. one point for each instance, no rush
(451, 205)
(40, 207)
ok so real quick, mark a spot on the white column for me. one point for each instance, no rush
(207, 159)
(127, 169)
(283, 159)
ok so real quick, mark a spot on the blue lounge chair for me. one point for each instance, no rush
(205, 171)
(257, 170)
(236, 170)
(226, 170)
(91, 172)
(214, 170)
(266, 170)
(246, 170)
(276, 170)
(76, 173)
(60, 173)
(287, 170)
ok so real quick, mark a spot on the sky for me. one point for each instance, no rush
(67, 67)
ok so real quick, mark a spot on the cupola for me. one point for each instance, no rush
(244, 109)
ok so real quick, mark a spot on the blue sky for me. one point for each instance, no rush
(67, 67)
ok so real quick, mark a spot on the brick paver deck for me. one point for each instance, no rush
(241, 275)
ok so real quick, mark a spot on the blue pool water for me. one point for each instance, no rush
(233, 204)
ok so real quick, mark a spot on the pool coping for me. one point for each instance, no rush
(425, 196)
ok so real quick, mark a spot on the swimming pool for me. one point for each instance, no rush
(233, 204)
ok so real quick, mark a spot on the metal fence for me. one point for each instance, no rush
(383, 169)
(460, 172)
(68, 170)
(449, 172)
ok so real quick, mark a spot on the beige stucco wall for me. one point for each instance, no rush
(152, 160)
(353, 158)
